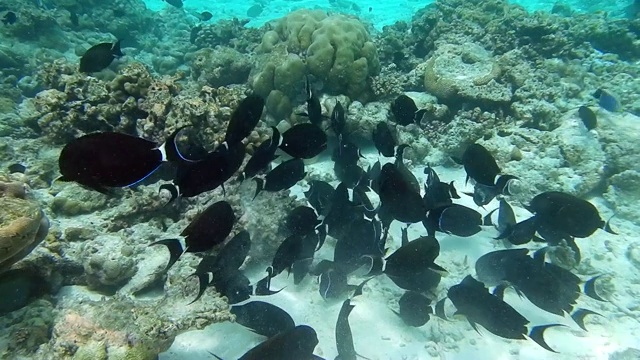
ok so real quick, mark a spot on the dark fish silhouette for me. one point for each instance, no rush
(480, 165)
(292, 250)
(607, 100)
(319, 195)
(437, 194)
(9, 18)
(472, 299)
(304, 141)
(454, 219)
(398, 197)
(262, 156)
(383, 140)
(224, 264)
(342, 212)
(73, 18)
(302, 220)
(405, 111)
(546, 285)
(344, 336)
(196, 177)
(408, 176)
(362, 238)
(338, 121)
(345, 157)
(98, 57)
(282, 177)
(210, 228)
(234, 285)
(106, 160)
(314, 110)
(244, 119)
(333, 284)
(263, 318)
(588, 117)
(19, 287)
(567, 214)
(413, 258)
(175, 3)
(17, 168)
(205, 16)
(295, 344)
(415, 309)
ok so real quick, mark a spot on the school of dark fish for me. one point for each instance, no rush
(357, 213)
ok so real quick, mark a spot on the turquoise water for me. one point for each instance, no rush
(451, 179)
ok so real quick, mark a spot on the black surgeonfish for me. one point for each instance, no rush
(472, 299)
(196, 177)
(314, 110)
(333, 284)
(262, 156)
(9, 18)
(383, 140)
(304, 141)
(405, 111)
(342, 212)
(437, 193)
(415, 309)
(480, 165)
(407, 175)
(319, 195)
(345, 157)
(282, 177)
(295, 344)
(413, 258)
(227, 261)
(362, 238)
(302, 220)
(263, 318)
(17, 168)
(338, 121)
(454, 219)
(548, 286)
(244, 119)
(567, 214)
(98, 57)
(588, 117)
(208, 229)
(106, 160)
(293, 250)
(398, 197)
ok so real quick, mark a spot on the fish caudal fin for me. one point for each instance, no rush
(579, 315)
(590, 288)
(438, 309)
(537, 334)
(259, 186)
(204, 279)
(175, 250)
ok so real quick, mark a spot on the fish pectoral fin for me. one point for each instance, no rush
(537, 334)
(590, 289)
(579, 315)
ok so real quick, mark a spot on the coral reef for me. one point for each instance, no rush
(23, 225)
(336, 49)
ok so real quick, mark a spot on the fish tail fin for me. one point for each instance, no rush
(216, 356)
(498, 291)
(259, 186)
(115, 50)
(579, 315)
(506, 233)
(607, 226)
(537, 334)
(438, 309)
(203, 281)
(172, 189)
(170, 148)
(452, 191)
(590, 288)
(486, 221)
(175, 250)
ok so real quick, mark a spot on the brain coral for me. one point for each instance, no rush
(336, 49)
